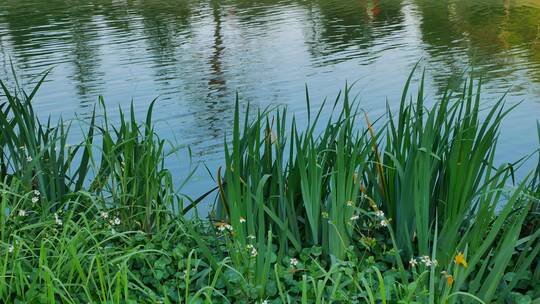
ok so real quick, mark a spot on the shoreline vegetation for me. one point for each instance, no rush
(410, 209)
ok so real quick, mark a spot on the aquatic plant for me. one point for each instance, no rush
(409, 208)
(126, 170)
(427, 178)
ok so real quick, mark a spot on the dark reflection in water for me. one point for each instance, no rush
(346, 30)
(217, 82)
(195, 55)
(501, 39)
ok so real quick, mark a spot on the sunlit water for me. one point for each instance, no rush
(195, 55)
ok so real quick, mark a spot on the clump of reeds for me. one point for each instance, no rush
(125, 170)
(427, 176)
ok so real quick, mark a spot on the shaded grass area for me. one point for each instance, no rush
(410, 209)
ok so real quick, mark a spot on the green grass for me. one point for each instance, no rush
(340, 210)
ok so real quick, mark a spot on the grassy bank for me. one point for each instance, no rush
(412, 209)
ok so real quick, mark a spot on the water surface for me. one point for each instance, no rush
(195, 55)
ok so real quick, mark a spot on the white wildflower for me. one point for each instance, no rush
(252, 249)
(379, 214)
(11, 249)
(293, 262)
(35, 199)
(57, 219)
(355, 217)
(384, 223)
(22, 212)
(242, 220)
(251, 237)
(349, 203)
(37, 193)
(224, 226)
(115, 221)
(104, 215)
(29, 158)
(413, 262)
(427, 261)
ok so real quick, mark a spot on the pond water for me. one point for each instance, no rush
(195, 55)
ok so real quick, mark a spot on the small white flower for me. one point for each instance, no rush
(379, 214)
(11, 249)
(23, 148)
(251, 237)
(384, 223)
(413, 262)
(265, 302)
(57, 219)
(428, 262)
(104, 215)
(29, 158)
(222, 226)
(37, 193)
(349, 203)
(242, 220)
(22, 212)
(293, 262)
(115, 221)
(35, 199)
(252, 249)
(355, 217)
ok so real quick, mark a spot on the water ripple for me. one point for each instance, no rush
(195, 55)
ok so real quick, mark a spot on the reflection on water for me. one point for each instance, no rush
(195, 55)
(501, 39)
